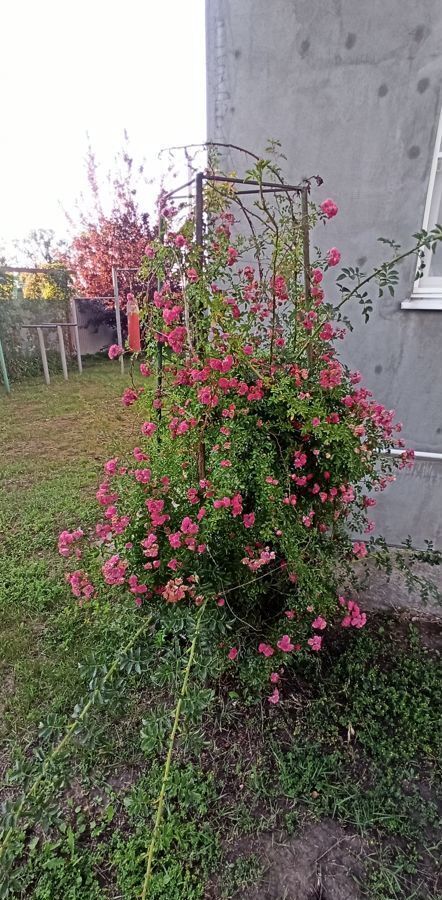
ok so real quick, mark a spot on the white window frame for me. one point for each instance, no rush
(427, 291)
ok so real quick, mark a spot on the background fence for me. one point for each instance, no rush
(96, 325)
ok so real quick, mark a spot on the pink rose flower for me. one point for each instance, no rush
(143, 476)
(148, 428)
(320, 623)
(233, 653)
(360, 549)
(315, 642)
(171, 315)
(300, 459)
(236, 505)
(333, 256)
(139, 455)
(285, 644)
(206, 397)
(110, 467)
(274, 698)
(115, 351)
(249, 520)
(232, 256)
(129, 397)
(329, 208)
(189, 527)
(265, 649)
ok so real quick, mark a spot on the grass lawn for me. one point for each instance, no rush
(334, 795)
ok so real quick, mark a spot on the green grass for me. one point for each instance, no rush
(54, 441)
(94, 853)
(356, 740)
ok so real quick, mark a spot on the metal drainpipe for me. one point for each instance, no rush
(419, 454)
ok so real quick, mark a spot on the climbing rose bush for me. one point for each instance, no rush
(260, 454)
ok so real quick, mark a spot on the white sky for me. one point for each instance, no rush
(67, 68)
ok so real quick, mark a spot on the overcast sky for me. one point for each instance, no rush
(96, 66)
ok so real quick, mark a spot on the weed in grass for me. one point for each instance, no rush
(395, 874)
(188, 846)
(246, 871)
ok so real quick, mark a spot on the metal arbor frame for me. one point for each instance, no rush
(247, 186)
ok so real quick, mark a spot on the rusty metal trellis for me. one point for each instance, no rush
(250, 187)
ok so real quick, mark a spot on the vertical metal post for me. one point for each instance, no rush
(201, 449)
(44, 358)
(306, 257)
(305, 242)
(159, 343)
(74, 316)
(62, 352)
(199, 209)
(117, 313)
(190, 171)
(4, 370)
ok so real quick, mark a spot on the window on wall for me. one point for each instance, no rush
(427, 291)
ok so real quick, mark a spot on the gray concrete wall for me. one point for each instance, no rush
(352, 88)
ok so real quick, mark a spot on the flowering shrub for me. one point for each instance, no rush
(110, 230)
(260, 453)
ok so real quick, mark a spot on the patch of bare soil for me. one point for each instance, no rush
(324, 862)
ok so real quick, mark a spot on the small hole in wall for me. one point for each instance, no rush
(350, 40)
(423, 84)
(419, 32)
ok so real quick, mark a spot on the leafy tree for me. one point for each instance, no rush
(42, 249)
(55, 285)
(6, 281)
(41, 246)
(111, 230)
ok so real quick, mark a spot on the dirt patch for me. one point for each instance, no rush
(324, 862)
(429, 628)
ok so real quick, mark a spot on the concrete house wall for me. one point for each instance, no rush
(352, 89)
